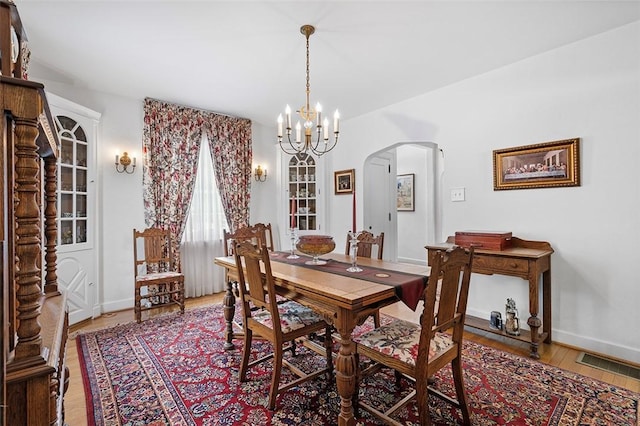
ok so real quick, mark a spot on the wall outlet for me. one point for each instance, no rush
(457, 194)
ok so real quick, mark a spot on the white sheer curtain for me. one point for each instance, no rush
(202, 238)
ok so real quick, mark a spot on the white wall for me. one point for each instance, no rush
(589, 89)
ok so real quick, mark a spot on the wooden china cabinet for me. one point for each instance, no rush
(34, 314)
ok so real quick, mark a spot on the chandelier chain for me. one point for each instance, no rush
(308, 83)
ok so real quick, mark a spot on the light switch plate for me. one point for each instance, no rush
(457, 194)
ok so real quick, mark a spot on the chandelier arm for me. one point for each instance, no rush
(333, 145)
(293, 150)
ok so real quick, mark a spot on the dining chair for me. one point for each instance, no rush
(366, 242)
(418, 351)
(279, 323)
(256, 235)
(153, 270)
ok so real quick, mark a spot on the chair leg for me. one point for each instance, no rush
(422, 398)
(246, 351)
(136, 305)
(328, 346)
(456, 368)
(181, 295)
(376, 319)
(275, 377)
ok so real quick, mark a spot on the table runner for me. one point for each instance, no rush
(408, 287)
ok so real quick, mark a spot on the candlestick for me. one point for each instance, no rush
(353, 251)
(353, 219)
(293, 213)
(294, 238)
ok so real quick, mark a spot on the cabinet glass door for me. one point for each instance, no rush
(72, 188)
(303, 193)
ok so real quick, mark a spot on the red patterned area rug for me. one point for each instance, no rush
(173, 370)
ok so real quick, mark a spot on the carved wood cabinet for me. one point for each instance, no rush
(34, 314)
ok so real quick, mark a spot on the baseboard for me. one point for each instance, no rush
(412, 261)
(118, 305)
(597, 346)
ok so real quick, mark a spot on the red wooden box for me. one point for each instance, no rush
(486, 240)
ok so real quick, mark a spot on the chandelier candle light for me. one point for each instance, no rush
(309, 115)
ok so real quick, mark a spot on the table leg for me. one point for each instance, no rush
(534, 322)
(346, 377)
(229, 312)
(546, 304)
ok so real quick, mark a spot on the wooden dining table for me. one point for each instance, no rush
(343, 299)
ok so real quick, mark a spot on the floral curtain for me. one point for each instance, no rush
(231, 152)
(171, 140)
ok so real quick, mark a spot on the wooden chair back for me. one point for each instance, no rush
(445, 305)
(155, 268)
(258, 233)
(156, 254)
(267, 234)
(366, 242)
(257, 289)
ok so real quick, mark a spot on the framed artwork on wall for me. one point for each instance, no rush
(344, 181)
(543, 165)
(406, 193)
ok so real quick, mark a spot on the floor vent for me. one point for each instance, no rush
(609, 365)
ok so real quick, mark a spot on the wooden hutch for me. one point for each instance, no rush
(34, 314)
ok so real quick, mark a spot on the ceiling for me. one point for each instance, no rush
(247, 59)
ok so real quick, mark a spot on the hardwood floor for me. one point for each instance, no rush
(553, 354)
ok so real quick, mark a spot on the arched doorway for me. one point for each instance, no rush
(406, 232)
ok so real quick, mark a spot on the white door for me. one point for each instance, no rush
(380, 215)
(77, 214)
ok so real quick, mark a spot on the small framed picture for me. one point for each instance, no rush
(344, 181)
(406, 193)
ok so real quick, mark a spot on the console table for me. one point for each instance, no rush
(527, 260)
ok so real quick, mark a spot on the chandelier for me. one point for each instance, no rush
(311, 118)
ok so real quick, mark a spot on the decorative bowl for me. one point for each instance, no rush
(315, 245)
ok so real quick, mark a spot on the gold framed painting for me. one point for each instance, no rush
(543, 165)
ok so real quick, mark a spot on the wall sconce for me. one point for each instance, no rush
(123, 163)
(260, 174)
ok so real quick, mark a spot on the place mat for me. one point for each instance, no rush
(408, 287)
